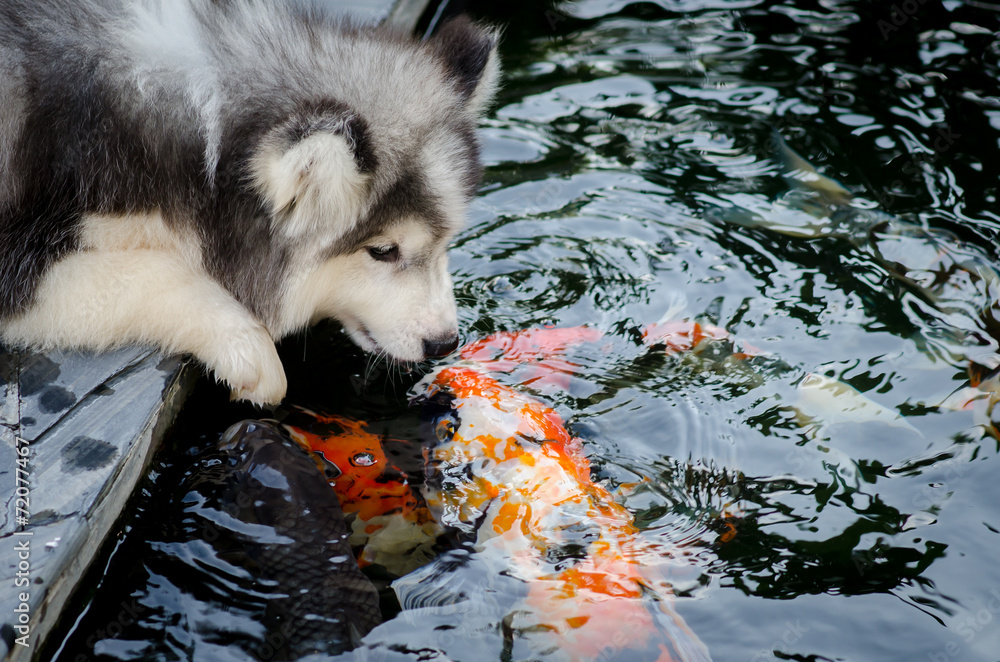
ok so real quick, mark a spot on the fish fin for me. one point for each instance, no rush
(805, 176)
(677, 303)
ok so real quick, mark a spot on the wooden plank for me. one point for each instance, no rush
(52, 384)
(9, 428)
(84, 468)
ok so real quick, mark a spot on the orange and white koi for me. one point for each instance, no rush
(509, 467)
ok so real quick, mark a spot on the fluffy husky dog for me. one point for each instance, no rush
(211, 175)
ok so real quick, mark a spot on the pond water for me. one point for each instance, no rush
(634, 172)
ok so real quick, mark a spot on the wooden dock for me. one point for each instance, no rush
(88, 424)
(77, 432)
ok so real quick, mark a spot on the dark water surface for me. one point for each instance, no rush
(633, 173)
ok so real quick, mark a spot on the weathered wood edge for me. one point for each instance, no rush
(80, 539)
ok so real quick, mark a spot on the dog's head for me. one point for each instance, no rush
(371, 181)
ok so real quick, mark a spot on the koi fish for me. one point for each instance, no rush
(508, 469)
(821, 401)
(503, 471)
(391, 525)
(539, 352)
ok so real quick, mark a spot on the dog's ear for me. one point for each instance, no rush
(469, 53)
(313, 170)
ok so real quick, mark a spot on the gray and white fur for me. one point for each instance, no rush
(211, 175)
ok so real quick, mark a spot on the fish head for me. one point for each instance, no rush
(352, 457)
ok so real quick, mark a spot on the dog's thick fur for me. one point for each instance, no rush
(211, 175)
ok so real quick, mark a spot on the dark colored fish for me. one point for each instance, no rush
(291, 535)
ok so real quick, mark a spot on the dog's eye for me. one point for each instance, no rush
(384, 253)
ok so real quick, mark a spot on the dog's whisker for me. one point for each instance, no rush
(374, 361)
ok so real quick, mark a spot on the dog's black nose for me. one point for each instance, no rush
(437, 348)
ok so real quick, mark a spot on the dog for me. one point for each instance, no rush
(209, 176)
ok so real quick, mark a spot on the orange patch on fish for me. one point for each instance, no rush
(363, 486)
(544, 491)
(372, 489)
(537, 352)
(505, 350)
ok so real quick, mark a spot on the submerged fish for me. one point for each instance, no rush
(502, 471)
(271, 513)
(820, 401)
(507, 470)
(391, 525)
(931, 263)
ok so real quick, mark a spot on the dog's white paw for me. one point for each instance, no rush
(248, 362)
(269, 388)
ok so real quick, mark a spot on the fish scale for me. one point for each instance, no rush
(323, 603)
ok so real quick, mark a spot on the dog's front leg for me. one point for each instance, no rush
(97, 299)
